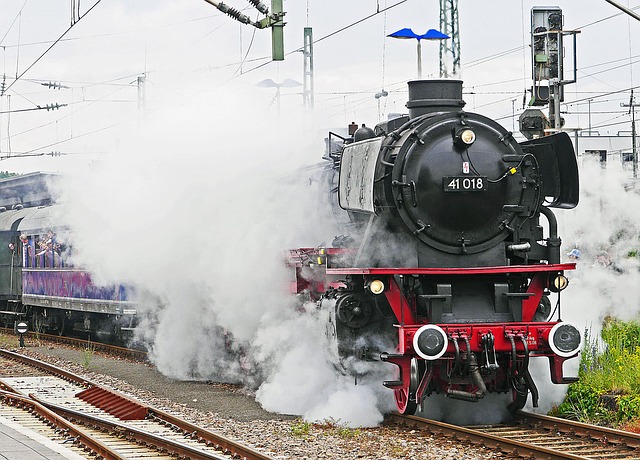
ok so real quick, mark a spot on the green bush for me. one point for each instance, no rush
(582, 403)
(608, 391)
(628, 408)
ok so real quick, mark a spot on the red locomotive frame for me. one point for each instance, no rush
(518, 341)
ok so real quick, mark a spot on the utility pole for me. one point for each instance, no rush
(142, 103)
(450, 49)
(142, 100)
(632, 110)
(308, 92)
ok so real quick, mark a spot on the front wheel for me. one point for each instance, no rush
(519, 392)
(403, 401)
(406, 400)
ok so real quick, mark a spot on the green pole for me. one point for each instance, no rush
(277, 32)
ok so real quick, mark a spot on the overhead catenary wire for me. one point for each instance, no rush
(11, 155)
(500, 54)
(90, 84)
(13, 22)
(112, 34)
(62, 141)
(52, 45)
(331, 34)
(327, 36)
(48, 107)
(245, 60)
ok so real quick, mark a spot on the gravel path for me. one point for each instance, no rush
(232, 411)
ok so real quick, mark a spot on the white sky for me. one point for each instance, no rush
(188, 49)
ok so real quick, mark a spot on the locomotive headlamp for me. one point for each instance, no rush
(560, 283)
(565, 340)
(376, 287)
(464, 137)
(430, 342)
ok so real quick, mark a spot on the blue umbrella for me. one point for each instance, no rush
(431, 34)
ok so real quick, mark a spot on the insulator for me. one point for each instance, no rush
(260, 6)
(235, 14)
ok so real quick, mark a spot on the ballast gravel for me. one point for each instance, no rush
(233, 412)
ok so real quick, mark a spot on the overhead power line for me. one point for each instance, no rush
(53, 153)
(331, 34)
(631, 13)
(14, 21)
(52, 45)
(47, 107)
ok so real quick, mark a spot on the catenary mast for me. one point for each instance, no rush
(449, 49)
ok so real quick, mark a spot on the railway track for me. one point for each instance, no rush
(528, 435)
(534, 436)
(107, 424)
(138, 355)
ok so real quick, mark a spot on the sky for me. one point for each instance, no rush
(186, 50)
(193, 192)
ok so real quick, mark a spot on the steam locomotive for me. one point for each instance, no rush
(452, 256)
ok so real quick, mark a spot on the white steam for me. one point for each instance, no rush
(304, 380)
(607, 219)
(196, 210)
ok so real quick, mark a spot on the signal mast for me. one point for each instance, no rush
(547, 69)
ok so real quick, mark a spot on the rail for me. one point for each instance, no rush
(534, 436)
(112, 401)
(138, 355)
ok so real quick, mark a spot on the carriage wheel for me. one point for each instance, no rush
(38, 323)
(60, 324)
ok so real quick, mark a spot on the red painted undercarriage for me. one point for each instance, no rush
(473, 357)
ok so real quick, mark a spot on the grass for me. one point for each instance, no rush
(87, 355)
(8, 341)
(334, 427)
(328, 427)
(608, 391)
(300, 428)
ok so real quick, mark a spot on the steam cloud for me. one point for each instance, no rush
(607, 219)
(196, 210)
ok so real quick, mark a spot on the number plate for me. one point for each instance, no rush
(464, 183)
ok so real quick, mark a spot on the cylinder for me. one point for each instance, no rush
(429, 96)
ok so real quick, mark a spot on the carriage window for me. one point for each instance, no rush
(47, 251)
